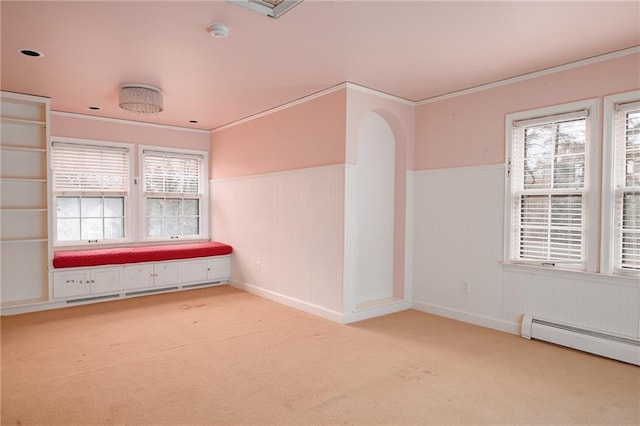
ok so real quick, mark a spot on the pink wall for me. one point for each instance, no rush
(305, 135)
(117, 131)
(469, 130)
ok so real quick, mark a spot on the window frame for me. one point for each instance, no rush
(591, 190)
(203, 197)
(610, 240)
(128, 196)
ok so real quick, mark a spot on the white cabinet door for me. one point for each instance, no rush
(165, 274)
(71, 283)
(219, 269)
(194, 271)
(106, 280)
(138, 276)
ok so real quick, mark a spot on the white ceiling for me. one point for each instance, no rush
(411, 49)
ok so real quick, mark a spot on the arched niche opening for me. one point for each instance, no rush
(376, 150)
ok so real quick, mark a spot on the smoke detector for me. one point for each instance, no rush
(218, 30)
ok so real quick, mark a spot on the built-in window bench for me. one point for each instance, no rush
(87, 275)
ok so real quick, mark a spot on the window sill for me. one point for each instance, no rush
(73, 247)
(556, 272)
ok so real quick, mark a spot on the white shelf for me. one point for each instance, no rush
(26, 240)
(23, 121)
(25, 179)
(21, 148)
(22, 209)
(25, 233)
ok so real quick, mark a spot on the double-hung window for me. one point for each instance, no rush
(548, 186)
(174, 194)
(621, 220)
(90, 190)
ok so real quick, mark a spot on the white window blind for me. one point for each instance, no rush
(88, 168)
(172, 173)
(548, 168)
(627, 187)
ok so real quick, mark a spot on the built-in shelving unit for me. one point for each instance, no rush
(25, 246)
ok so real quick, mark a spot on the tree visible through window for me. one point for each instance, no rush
(628, 187)
(90, 187)
(173, 189)
(548, 189)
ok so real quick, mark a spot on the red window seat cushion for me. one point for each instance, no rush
(120, 255)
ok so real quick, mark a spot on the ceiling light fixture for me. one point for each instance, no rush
(141, 98)
(270, 8)
(218, 30)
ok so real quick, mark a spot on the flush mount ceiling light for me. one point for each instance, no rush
(270, 8)
(140, 98)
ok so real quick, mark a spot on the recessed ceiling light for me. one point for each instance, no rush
(32, 53)
(94, 108)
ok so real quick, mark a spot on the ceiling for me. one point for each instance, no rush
(411, 49)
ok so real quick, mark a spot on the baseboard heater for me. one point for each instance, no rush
(201, 284)
(155, 290)
(89, 299)
(608, 345)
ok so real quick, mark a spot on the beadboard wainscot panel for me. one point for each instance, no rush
(244, 216)
(458, 238)
(286, 229)
(350, 237)
(602, 303)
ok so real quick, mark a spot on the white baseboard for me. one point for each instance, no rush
(359, 315)
(289, 301)
(35, 307)
(481, 320)
(376, 311)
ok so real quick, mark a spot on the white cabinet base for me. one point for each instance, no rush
(108, 282)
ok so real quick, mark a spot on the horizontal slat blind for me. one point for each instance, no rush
(89, 168)
(548, 181)
(627, 186)
(170, 173)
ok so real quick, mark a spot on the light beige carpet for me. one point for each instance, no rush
(222, 356)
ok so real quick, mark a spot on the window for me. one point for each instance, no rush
(621, 219)
(174, 194)
(549, 188)
(555, 213)
(90, 190)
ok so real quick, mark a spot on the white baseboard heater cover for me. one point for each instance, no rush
(595, 342)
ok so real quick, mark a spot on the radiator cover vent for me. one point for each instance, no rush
(596, 342)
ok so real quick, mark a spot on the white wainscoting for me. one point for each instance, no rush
(458, 222)
(287, 231)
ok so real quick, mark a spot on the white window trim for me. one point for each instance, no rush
(204, 200)
(608, 183)
(592, 185)
(129, 199)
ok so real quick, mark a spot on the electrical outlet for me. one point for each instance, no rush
(257, 266)
(465, 287)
